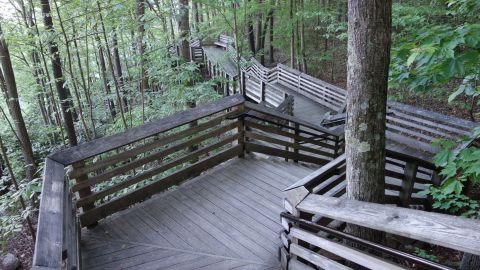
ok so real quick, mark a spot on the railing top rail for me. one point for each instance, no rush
(49, 242)
(439, 229)
(105, 144)
(275, 113)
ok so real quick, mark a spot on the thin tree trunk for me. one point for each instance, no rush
(259, 31)
(8, 82)
(271, 30)
(118, 69)
(110, 64)
(70, 68)
(369, 32)
(140, 51)
(263, 37)
(250, 32)
(292, 36)
(302, 39)
(103, 73)
(184, 33)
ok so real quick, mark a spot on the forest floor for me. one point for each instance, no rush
(21, 245)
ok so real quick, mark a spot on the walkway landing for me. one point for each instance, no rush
(228, 218)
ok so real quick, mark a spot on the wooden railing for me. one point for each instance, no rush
(405, 177)
(316, 206)
(272, 133)
(307, 244)
(111, 173)
(114, 172)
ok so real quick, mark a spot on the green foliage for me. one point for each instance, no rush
(458, 168)
(424, 254)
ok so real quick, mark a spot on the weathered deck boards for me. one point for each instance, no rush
(220, 57)
(228, 218)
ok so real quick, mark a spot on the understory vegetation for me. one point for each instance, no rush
(108, 65)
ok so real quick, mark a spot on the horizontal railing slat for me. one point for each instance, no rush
(152, 172)
(151, 189)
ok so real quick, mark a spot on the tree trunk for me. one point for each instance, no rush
(140, 50)
(259, 31)
(8, 82)
(118, 69)
(110, 64)
(292, 36)
(268, 20)
(369, 31)
(62, 90)
(302, 39)
(103, 73)
(70, 69)
(250, 33)
(184, 31)
(270, 50)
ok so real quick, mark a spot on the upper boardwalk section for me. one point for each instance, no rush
(410, 130)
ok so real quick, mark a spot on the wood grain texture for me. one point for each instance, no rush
(449, 231)
(223, 219)
(49, 242)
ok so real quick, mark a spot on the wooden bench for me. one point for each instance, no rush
(223, 41)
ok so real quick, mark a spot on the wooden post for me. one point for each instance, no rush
(84, 192)
(243, 89)
(262, 90)
(226, 91)
(241, 130)
(410, 173)
(295, 141)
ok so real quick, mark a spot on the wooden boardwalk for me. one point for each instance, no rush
(303, 107)
(228, 218)
(221, 58)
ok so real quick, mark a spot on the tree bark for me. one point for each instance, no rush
(302, 39)
(292, 36)
(369, 31)
(141, 50)
(270, 50)
(10, 85)
(70, 69)
(62, 90)
(111, 66)
(184, 31)
(259, 27)
(250, 33)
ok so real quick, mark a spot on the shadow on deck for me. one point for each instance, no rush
(228, 218)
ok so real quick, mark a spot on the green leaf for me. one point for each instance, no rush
(459, 91)
(411, 58)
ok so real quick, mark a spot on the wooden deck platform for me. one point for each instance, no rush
(228, 218)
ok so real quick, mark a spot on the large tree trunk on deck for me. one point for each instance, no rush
(369, 31)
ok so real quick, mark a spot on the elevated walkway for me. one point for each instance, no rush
(228, 218)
